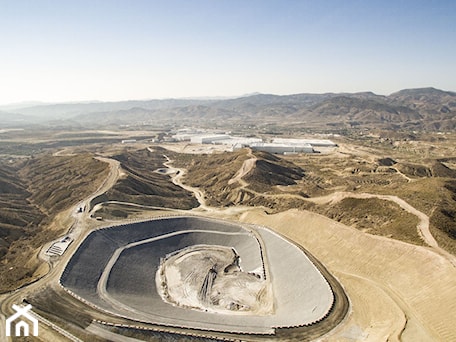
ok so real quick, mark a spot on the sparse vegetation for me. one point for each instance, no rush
(142, 185)
(34, 191)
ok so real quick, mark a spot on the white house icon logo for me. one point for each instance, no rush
(21, 325)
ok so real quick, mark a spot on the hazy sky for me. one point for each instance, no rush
(115, 50)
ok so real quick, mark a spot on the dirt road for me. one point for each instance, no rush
(246, 167)
(423, 224)
(176, 178)
(81, 225)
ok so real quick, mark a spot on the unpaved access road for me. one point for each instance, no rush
(246, 167)
(423, 224)
(177, 180)
(77, 231)
(422, 227)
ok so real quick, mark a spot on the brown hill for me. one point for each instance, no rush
(17, 214)
(355, 111)
(32, 194)
(144, 186)
(270, 170)
(280, 183)
(375, 216)
(214, 173)
(428, 99)
(437, 107)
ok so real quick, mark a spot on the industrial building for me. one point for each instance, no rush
(208, 138)
(312, 142)
(185, 134)
(282, 148)
(237, 143)
(278, 145)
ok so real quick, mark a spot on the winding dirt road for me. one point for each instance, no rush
(246, 167)
(422, 227)
(177, 180)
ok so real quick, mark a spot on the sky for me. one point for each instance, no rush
(57, 51)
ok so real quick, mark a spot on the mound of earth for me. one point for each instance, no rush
(270, 170)
(374, 216)
(386, 161)
(210, 278)
(215, 174)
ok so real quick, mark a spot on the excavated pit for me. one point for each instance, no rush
(199, 273)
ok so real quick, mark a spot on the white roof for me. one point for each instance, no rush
(276, 144)
(303, 141)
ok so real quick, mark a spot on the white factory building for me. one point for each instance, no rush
(278, 145)
(312, 142)
(185, 134)
(208, 138)
(282, 148)
(237, 143)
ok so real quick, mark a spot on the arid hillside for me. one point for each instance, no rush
(143, 184)
(33, 192)
(237, 178)
(307, 182)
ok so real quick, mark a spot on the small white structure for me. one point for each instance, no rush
(128, 141)
(59, 247)
(22, 325)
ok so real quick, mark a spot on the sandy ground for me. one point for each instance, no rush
(184, 274)
(398, 291)
(423, 224)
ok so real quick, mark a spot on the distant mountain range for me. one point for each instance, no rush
(414, 109)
